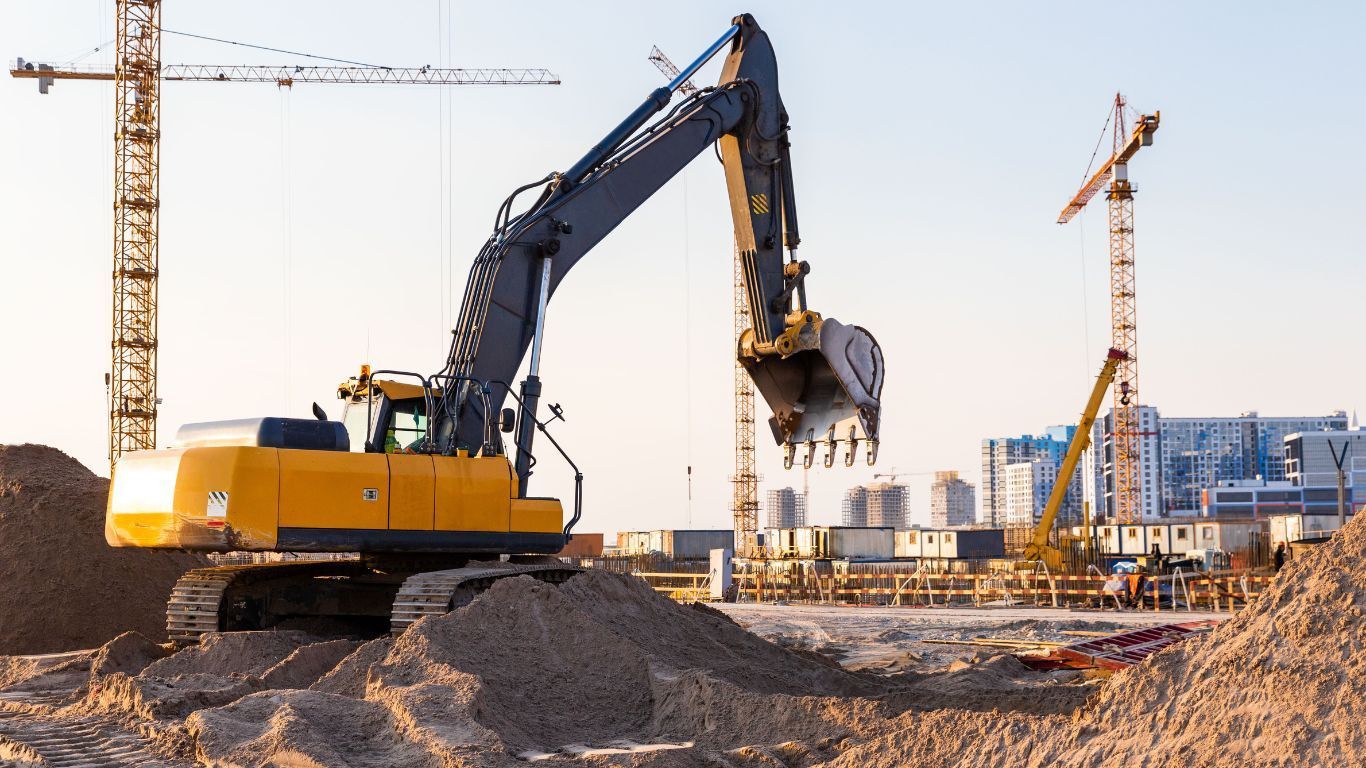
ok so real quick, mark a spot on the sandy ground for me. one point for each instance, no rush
(892, 639)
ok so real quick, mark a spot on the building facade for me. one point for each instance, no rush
(785, 508)
(854, 508)
(953, 502)
(1181, 456)
(889, 506)
(999, 453)
(876, 505)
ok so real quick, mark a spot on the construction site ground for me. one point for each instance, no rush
(902, 638)
(603, 671)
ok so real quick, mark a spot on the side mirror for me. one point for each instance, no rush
(319, 413)
(507, 420)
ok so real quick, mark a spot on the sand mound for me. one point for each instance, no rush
(534, 670)
(64, 587)
(1282, 684)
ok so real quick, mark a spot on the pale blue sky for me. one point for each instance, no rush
(933, 147)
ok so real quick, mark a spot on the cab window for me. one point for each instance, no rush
(407, 427)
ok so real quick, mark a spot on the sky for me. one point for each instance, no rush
(306, 231)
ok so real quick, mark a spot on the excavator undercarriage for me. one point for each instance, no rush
(356, 596)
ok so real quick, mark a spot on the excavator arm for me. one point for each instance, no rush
(822, 379)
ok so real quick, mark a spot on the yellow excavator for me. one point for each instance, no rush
(416, 478)
(1038, 550)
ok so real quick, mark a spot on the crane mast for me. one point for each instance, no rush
(1126, 431)
(137, 76)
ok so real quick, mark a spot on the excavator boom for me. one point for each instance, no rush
(822, 379)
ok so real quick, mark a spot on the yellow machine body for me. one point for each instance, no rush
(245, 498)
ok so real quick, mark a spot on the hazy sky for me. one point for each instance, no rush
(303, 233)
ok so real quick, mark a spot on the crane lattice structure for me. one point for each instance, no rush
(1125, 431)
(137, 76)
(745, 482)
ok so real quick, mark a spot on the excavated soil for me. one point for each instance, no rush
(602, 671)
(64, 588)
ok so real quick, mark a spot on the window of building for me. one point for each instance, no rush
(1180, 534)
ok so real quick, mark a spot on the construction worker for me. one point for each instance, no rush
(1137, 582)
(1279, 558)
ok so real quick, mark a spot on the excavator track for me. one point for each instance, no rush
(196, 605)
(244, 597)
(435, 593)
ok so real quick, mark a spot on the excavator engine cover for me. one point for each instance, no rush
(830, 386)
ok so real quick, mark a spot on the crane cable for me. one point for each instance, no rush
(687, 341)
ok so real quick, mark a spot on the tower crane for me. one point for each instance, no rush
(1125, 430)
(137, 76)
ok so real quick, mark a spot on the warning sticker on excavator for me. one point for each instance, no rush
(758, 203)
(218, 504)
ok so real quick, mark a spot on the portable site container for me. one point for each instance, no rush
(975, 543)
(1181, 537)
(781, 542)
(1161, 536)
(694, 544)
(1290, 528)
(929, 544)
(845, 543)
(1227, 535)
(1133, 540)
(1107, 539)
(907, 543)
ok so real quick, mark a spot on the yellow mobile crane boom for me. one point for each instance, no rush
(1038, 549)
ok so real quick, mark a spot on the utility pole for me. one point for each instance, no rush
(1339, 460)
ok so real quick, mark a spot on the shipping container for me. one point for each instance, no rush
(694, 544)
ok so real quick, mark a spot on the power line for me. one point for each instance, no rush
(275, 50)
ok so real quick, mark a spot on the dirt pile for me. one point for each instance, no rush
(1282, 684)
(64, 587)
(533, 670)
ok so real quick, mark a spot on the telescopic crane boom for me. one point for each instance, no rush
(1038, 549)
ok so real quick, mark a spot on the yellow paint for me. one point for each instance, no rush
(537, 515)
(163, 498)
(160, 499)
(327, 489)
(412, 492)
(473, 494)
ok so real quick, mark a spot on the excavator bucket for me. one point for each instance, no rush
(828, 391)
